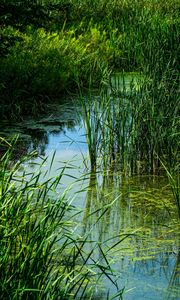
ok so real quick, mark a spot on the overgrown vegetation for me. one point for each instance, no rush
(47, 45)
(130, 129)
(48, 49)
(42, 257)
(132, 124)
(69, 45)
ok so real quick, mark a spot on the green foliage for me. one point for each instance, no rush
(46, 64)
(134, 124)
(41, 256)
(47, 46)
(174, 182)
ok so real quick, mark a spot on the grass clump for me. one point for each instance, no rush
(133, 125)
(40, 256)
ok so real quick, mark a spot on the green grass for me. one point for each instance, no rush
(41, 256)
(60, 47)
(43, 55)
(174, 182)
(86, 42)
(132, 123)
(46, 65)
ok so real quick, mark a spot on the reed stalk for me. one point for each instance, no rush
(41, 255)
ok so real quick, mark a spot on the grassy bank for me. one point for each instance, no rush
(48, 45)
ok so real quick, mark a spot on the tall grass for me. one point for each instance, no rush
(41, 255)
(173, 176)
(42, 55)
(144, 122)
(134, 124)
(109, 122)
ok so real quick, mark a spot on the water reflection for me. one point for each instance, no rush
(174, 283)
(34, 134)
(134, 216)
(141, 235)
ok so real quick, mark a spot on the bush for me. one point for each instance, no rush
(48, 64)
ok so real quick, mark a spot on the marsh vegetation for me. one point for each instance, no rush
(66, 222)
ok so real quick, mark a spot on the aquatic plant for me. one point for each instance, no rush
(132, 124)
(41, 256)
(173, 176)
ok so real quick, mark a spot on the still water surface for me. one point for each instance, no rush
(137, 210)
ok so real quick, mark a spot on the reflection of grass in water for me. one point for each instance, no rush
(138, 231)
(41, 257)
(129, 207)
(174, 284)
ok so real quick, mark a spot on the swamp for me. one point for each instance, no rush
(89, 149)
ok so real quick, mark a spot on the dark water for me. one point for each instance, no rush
(135, 215)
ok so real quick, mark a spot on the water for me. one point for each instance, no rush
(132, 215)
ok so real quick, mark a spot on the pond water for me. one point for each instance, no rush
(133, 215)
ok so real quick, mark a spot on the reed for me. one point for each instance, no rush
(136, 121)
(41, 256)
(173, 176)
